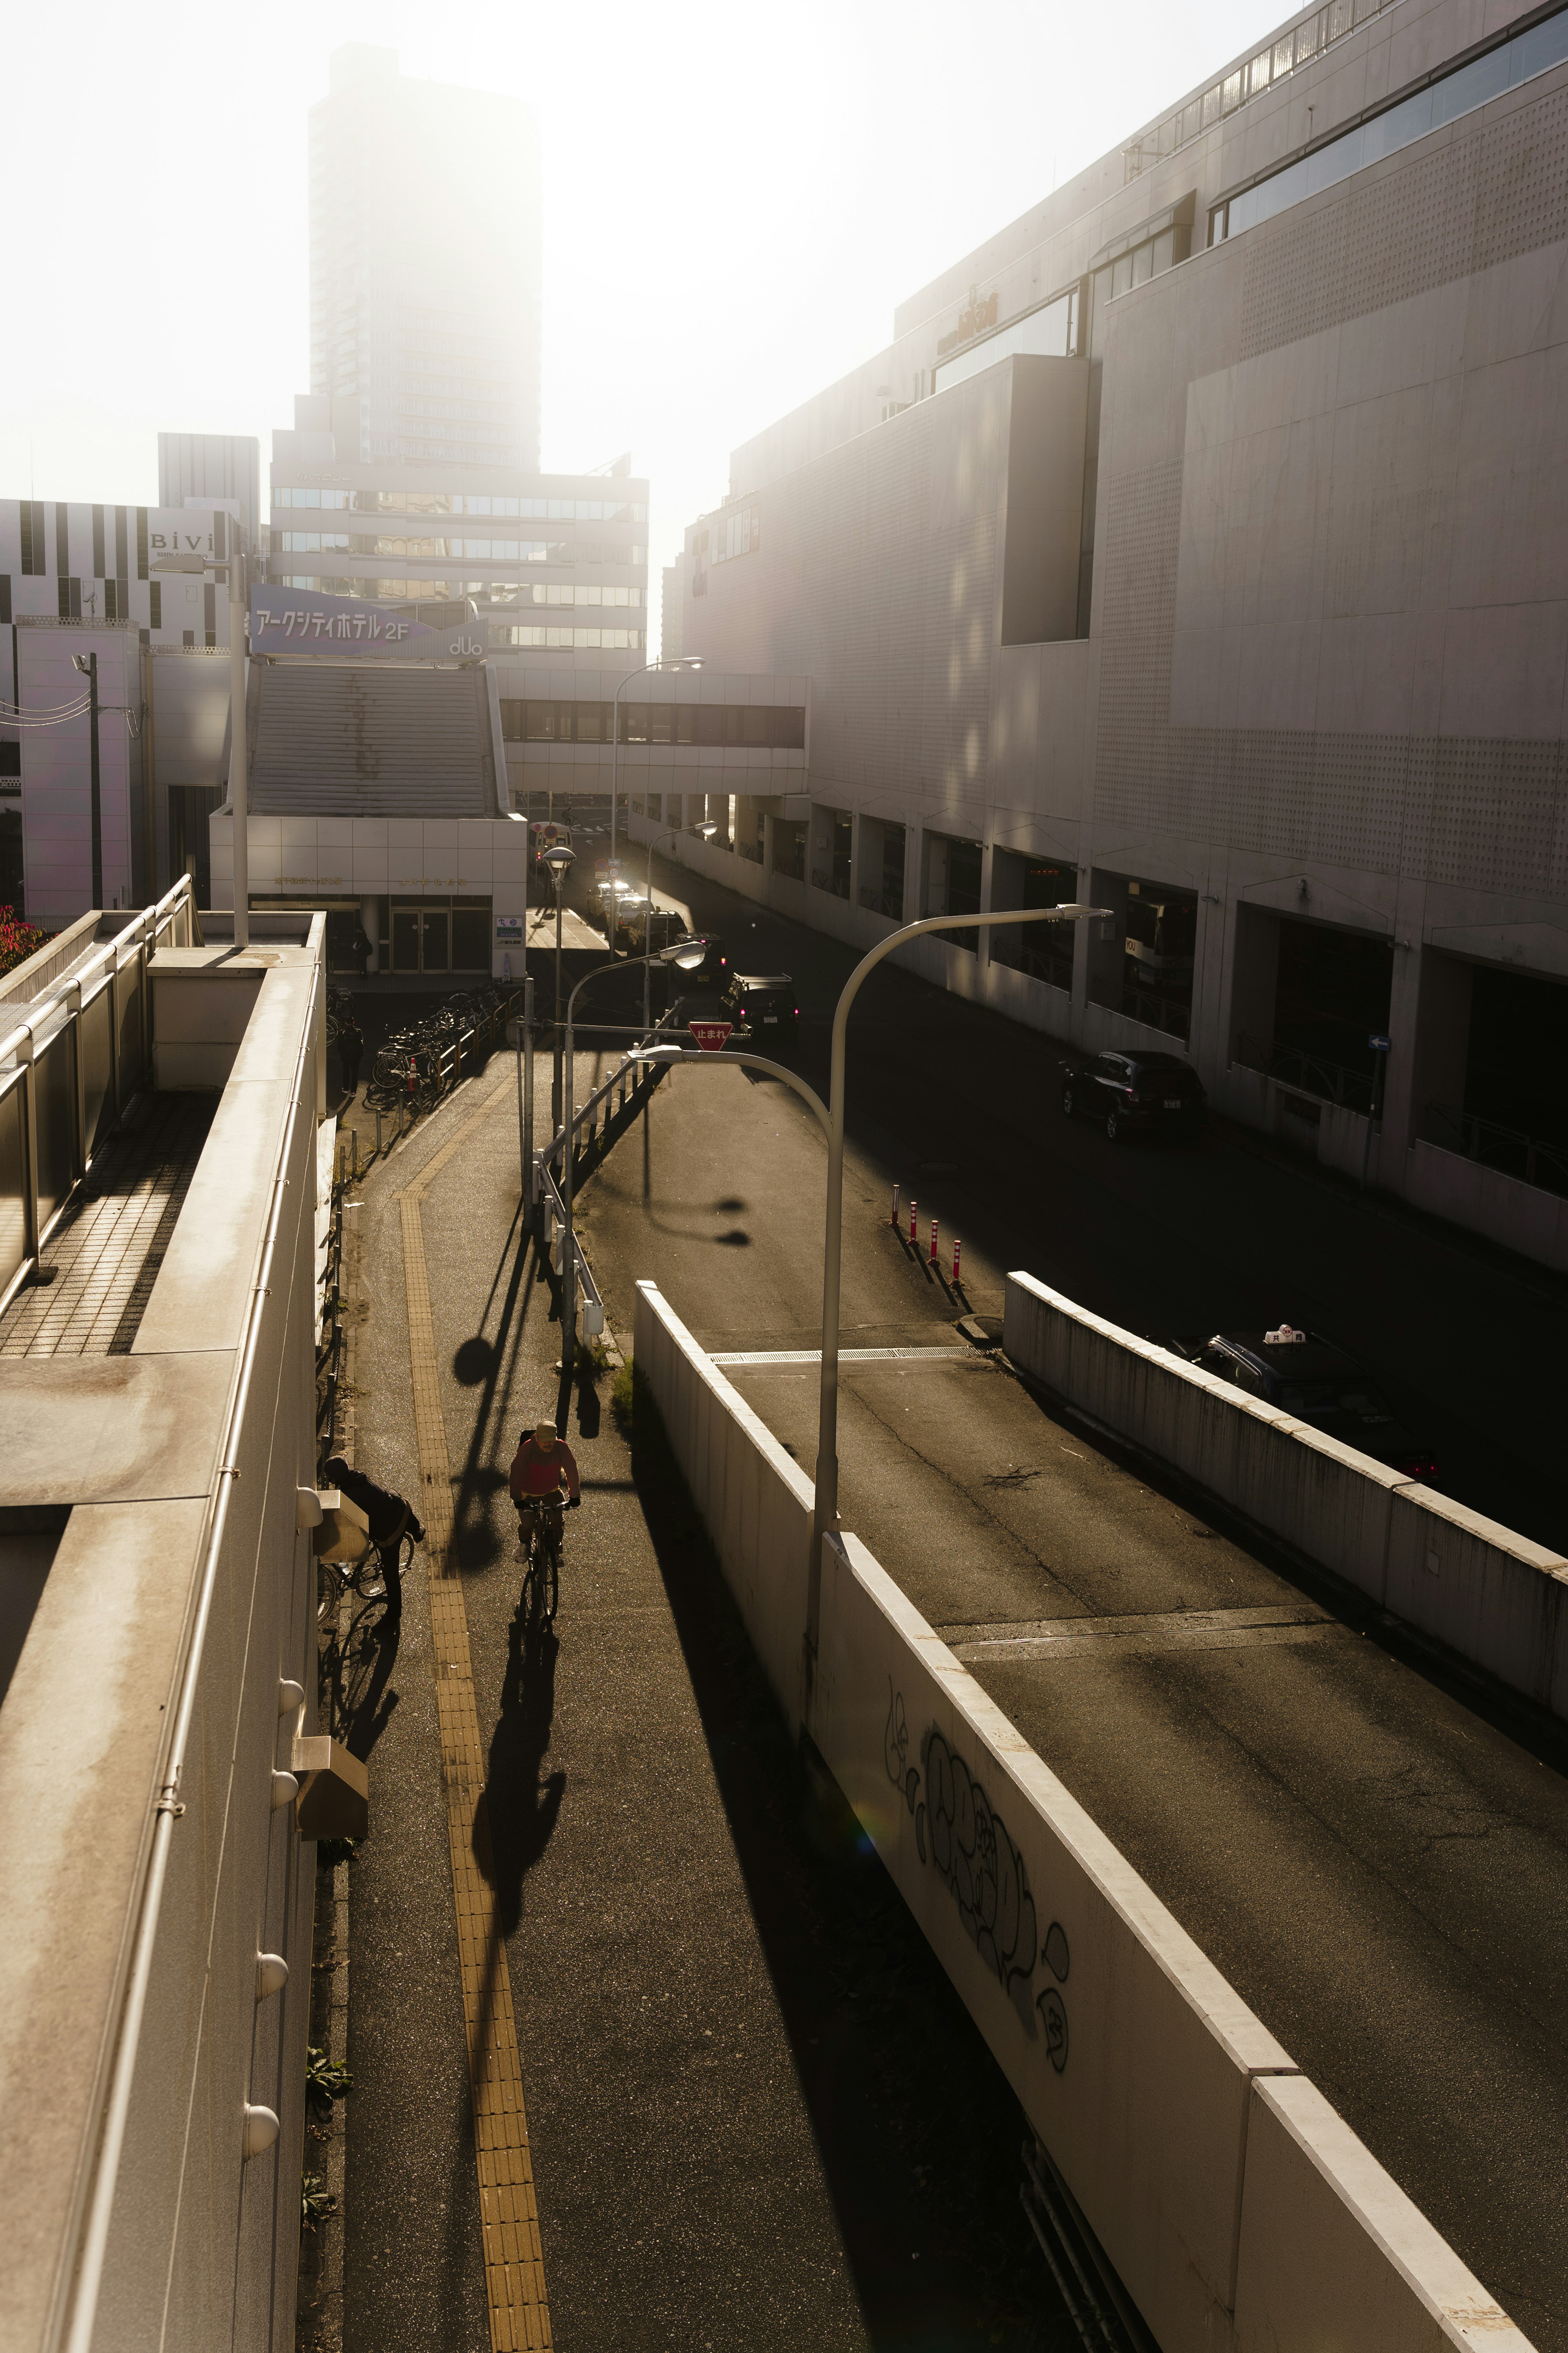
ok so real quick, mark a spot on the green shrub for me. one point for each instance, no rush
(622, 1395)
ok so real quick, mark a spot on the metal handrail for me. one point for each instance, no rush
(1478, 1137)
(1337, 1083)
(58, 1017)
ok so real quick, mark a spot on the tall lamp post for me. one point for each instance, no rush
(672, 833)
(559, 860)
(825, 1518)
(87, 665)
(686, 954)
(676, 661)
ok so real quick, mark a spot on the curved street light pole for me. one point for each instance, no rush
(825, 1519)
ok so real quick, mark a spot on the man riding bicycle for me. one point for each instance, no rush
(538, 1468)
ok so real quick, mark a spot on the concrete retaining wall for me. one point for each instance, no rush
(1488, 1594)
(1238, 2208)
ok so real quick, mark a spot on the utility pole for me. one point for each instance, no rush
(97, 784)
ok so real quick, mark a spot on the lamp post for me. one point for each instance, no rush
(671, 833)
(686, 954)
(559, 860)
(87, 665)
(825, 1516)
(679, 661)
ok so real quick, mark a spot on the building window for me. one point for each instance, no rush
(34, 563)
(155, 604)
(737, 532)
(1486, 76)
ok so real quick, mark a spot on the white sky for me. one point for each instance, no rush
(734, 199)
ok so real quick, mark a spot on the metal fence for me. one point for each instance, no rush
(1509, 1150)
(68, 1065)
(1308, 1073)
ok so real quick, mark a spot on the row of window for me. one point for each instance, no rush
(459, 502)
(577, 640)
(1485, 78)
(775, 726)
(737, 533)
(448, 550)
(1282, 57)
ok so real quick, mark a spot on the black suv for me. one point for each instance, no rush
(764, 1003)
(1136, 1094)
(1301, 1373)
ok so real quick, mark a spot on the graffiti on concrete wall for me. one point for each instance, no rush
(960, 1835)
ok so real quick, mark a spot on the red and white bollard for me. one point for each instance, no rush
(914, 1238)
(956, 1246)
(933, 1241)
(895, 1215)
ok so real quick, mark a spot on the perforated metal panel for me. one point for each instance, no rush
(1499, 191)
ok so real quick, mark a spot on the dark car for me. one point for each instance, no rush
(712, 973)
(686, 1009)
(1301, 1373)
(764, 1004)
(1136, 1094)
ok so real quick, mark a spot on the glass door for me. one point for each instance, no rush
(405, 939)
(435, 939)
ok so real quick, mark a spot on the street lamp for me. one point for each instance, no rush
(672, 833)
(686, 955)
(825, 1516)
(676, 661)
(559, 860)
(87, 665)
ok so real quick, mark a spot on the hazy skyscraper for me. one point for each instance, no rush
(424, 264)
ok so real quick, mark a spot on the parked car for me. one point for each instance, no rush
(764, 1004)
(1301, 1373)
(1136, 1094)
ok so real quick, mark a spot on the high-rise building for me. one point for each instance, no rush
(425, 265)
(210, 470)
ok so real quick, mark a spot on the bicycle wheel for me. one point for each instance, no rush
(552, 1543)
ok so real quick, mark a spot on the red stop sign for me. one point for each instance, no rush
(710, 1035)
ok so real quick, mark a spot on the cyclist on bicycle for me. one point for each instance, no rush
(538, 1468)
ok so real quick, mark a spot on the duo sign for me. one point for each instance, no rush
(302, 621)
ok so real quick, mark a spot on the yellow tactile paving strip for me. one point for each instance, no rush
(514, 2264)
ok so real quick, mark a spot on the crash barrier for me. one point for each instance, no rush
(1486, 1593)
(1238, 2209)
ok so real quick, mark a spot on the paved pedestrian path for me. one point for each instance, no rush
(646, 2051)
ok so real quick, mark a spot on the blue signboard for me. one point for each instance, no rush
(303, 621)
(1378, 1045)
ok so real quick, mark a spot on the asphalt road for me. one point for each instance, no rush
(758, 2115)
(1382, 1872)
(963, 1108)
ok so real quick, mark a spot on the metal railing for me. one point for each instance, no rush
(1509, 1150)
(1173, 1015)
(1050, 964)
(1310, 1074)
(67, 1069)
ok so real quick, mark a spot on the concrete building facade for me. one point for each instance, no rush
(425, 265)
(1198, 546)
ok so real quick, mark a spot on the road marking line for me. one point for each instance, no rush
(514, 2263)
(759, 1359)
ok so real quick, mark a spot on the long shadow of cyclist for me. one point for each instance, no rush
(516, 1815)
